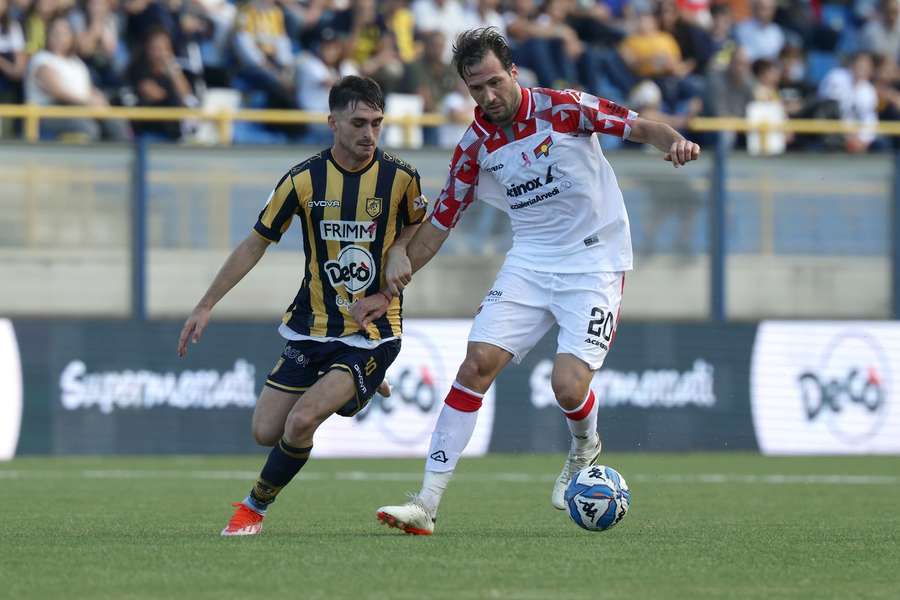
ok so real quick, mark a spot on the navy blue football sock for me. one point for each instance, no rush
(283, 463)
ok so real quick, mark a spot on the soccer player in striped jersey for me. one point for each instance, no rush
(356, 205)
(534, 154)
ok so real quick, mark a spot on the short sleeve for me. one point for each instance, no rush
(280, 208)
(599, 115)
(415, 204)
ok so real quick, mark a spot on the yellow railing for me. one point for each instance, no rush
(224, 120)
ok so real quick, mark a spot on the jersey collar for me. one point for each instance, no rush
(525, 112)
(361, 170)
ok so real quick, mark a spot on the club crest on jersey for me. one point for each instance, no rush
(373, 207)
(543, 149)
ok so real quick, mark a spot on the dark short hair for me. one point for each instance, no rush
(473, 45)
(761, 65)
(352, 90)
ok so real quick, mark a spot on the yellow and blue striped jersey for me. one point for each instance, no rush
(349, 219)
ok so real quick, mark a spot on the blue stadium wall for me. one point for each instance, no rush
(117, 387)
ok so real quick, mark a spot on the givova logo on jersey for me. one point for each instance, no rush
(354, 269)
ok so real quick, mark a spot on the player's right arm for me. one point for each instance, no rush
(457, 195)
(273, 221)
(236, 266)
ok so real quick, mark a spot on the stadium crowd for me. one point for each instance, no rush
(669, 59)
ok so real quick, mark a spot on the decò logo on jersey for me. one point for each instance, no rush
(10, 391)
(354, 269)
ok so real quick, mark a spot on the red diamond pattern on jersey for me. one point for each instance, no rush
(548, 173)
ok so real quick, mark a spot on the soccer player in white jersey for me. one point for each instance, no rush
(533, 154)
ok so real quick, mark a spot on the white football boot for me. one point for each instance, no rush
(412, 517)
(576, 461)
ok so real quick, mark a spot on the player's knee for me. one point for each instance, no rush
(568, 392)
(301, 423)
(266, 436)
(478, 368)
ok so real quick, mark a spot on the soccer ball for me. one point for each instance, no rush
(597, 498)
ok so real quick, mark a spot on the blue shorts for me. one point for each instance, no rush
(303, 362)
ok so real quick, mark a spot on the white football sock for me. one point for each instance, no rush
(582, 421)
(452, 432)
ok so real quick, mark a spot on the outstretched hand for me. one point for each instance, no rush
(365, 310)
(681, 152)
(193, 329)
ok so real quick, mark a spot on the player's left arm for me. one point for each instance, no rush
(676, 148)
(599, 115)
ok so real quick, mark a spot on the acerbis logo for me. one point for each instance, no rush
(494, 168)
(849, 388)
(10, 391)
(407, 415)
(354, 269)
(348, 231)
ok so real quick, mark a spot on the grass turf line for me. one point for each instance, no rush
(74, 528)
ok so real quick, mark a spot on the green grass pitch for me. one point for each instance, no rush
(700, 526)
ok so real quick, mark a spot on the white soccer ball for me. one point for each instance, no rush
(597, 498)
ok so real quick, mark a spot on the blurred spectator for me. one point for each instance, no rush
(58, 76)
(12, 56)
(887, 86)
(97, 39)
(647, 100)
(729, 90)
(186, 22)
(486, 13)
(37, 24)
(650, 52)
(436, 78)
(459, 110)
(767, 75)
(544, 43)
(142, 16)
(852, 89)
(214, 49)
(446, 16)
(264, 55)
(881, 35)
(159, 81)
(317, 70)
(654, 54)
(694, 42)
(579, 60)
(399, 20)
(669, 199)
(759, 35)
(721, 35)
(386, 67)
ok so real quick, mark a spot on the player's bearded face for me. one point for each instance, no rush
(494, 89)
(357, 130)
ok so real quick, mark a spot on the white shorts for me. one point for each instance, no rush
(523, 305)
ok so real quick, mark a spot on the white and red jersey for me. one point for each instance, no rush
(561, 194)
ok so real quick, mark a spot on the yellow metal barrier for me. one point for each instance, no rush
(33, 114)
(224, 120)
